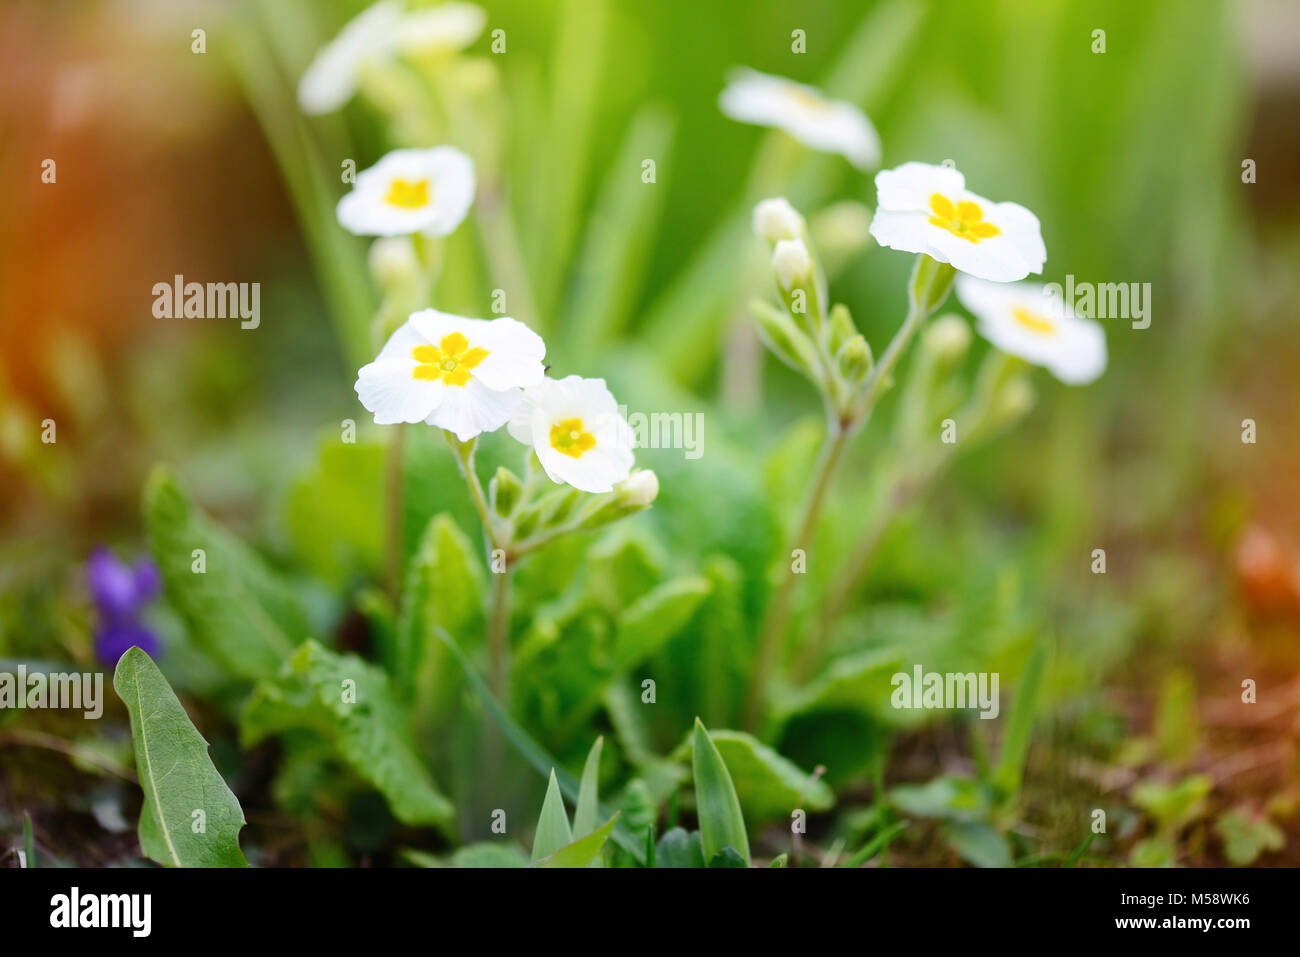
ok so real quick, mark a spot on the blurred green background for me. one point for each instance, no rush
(172, 162)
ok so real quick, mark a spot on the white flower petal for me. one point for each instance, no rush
(448, 26)
(833, 126)
(331, 78)
(514, 357)
(1073, 350)
(473, 408)
(387, 388)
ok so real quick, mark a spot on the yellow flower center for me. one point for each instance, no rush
(964, 219)
(571, 438)
(450, 360)
(1034, 322)
(408, 194)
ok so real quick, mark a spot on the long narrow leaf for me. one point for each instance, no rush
(721, 823)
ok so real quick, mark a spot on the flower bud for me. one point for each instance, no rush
(946, 339)
(842, 327)
(792, 264)
(854, 359)
(505, 491)
(785, 339)
(1014, 399)
(776, 220)
(393, 261)
(639, 489)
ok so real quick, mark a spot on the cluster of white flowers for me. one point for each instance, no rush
(470, 376)
(377, 35)
(923, 209)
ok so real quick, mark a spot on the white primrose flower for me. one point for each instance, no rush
(775, 219)
(1027, 320)
(332, 78)
(446, 27)
(425, 191)
(832, 126)
(577, 431)
(463, 375)
(927, 209)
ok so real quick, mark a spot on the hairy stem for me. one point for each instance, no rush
(393, 491)
(778, 614)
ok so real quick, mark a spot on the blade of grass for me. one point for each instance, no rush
(530, 750)
(615, 252)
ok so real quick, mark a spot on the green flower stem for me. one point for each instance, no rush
(930, 283)
(908, 485)
(778, 614)
(464, 452)
(499, 635)
(499, 617)
(393, 491)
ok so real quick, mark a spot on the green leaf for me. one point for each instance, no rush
(176, 775)
(524, 743)
(444, 588)
(613, 258)
(877, 844)
(654, 618)
(553, 831)
(1015, 737)
(237, 609)
(584, 817)
(728, 857)
(678, 848)
(583, 852)
(350, 702)
(780, 861)
(978, 843)
(952, 798)
(721, 823)
(1173, 805)
(1246, 834)
(768, 785)
(489, 855)
(335, 512)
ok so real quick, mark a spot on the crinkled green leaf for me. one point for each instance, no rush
(978, 843)
(655, 617)
(1246, 834)
(721, 823)
(444, 588)
(237, 609)
(335, 513)
(953, 798)
(679, 848)
(350, 702)
(190, 817)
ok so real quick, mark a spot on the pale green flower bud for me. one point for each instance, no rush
(946, 340)
(639, 489)
(776, 220)
(393, 262)
(792, 264)
(842, 327)
(505, 491)
(854, 359)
